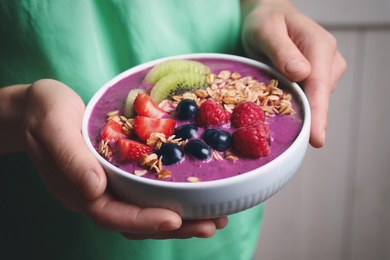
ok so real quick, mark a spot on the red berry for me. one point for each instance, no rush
(145, 106)
(145, 126)
(130, 150)
(211, 113)
(252, 140)
(112, 131)
(247, 113)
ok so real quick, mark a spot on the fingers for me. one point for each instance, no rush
(220, 223)
(318, 86)
(318, 89)
(134, 222)
(189, 229)
(118, 216)
(338, 69)
(313, 69)
(55, 121)
(328, 66)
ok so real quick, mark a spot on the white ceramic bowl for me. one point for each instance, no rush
(208, 199)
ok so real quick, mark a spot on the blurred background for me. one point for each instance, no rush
(337, 206)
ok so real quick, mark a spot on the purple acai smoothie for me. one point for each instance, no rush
(283, 128)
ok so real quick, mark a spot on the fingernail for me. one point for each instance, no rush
(168, 226)
(294, 66)
(323, 136)
(203, 235)
(90, 183)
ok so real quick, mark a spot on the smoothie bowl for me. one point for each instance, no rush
(205, 135)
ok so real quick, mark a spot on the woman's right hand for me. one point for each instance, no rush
(50, 115)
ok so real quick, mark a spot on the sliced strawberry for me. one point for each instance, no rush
(145, 126)
(130, 150)
(144, 106)
(112, 131)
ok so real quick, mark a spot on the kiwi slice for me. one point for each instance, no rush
(128, 110)
(169, 66)
(176, 83)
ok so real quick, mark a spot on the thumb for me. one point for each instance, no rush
(56, 117)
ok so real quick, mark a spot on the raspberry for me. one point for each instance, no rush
(252, 140)
(211, 113)
(247, 113)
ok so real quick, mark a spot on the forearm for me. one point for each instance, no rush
(11, 117)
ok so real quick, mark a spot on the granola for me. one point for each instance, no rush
(229, 89)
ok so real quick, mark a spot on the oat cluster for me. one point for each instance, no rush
(157, 139)
(104, 150)
(230, 89)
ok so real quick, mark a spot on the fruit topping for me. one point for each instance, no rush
(218, 139)
(111, 131)
(198, 149)
(247, 113)
(171, 153)
(187, 109)
(252, 140)
(186, 131)
(212, 114)
(145, 126)
(227, 108)
(130, 150)
(128, 110)
(169, 66)
(176, 83)
(145, 106)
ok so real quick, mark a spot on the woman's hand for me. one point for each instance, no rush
(52, 115)
(301, 49)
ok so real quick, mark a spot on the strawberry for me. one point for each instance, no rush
(130, 150)
(246, 113)
(211, 113)
(145, 106)
(112, 131)
(145, 126)
(252, 140)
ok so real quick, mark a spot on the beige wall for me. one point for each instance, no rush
(337, 207)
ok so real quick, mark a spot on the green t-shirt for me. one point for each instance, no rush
(84, 43)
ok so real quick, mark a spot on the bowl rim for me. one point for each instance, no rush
(264, 169)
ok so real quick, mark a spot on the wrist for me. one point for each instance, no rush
(247, 6)
(254, 3)
(12, 110)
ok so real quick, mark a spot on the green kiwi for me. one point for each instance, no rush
(128, 110)
(176, 83)
(169, 66)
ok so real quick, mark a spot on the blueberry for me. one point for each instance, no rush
(186, 131)
(187, 109)
(171, 153)
(218, 139)
(198, 149)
